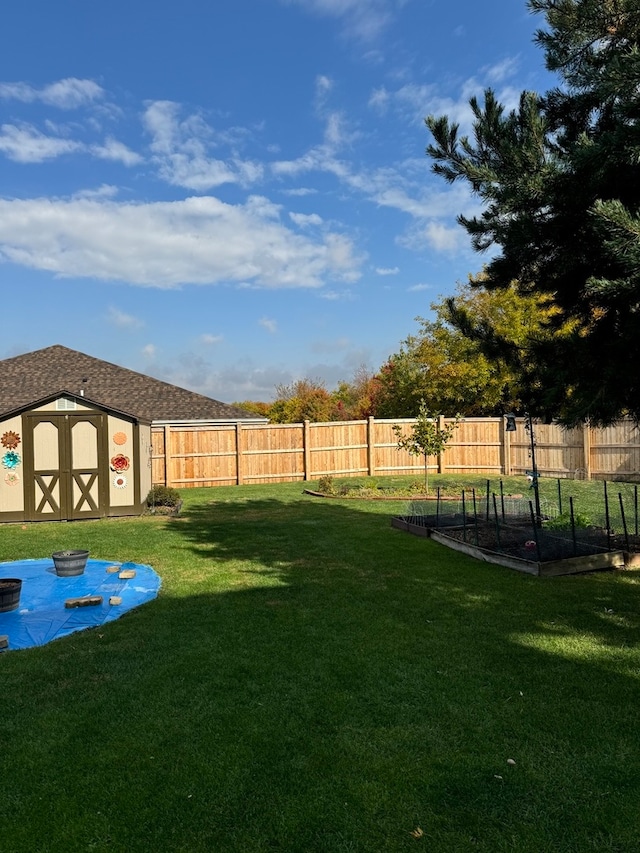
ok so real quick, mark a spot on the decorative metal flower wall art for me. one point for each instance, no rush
(120, 463)
(120, 438)
(11, 459)
(12, 478)
(120, 481)
(10, 440)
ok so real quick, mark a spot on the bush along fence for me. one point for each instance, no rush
(185, 456)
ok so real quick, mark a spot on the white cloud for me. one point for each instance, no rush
(336, 295)
(324, 85)
(444, 239)
(416, 288)
(123, 321)
(66, 94)
(241, 381)
(417, 100)
(244, 380)
(181, 151)
(165, 244)
(209, 340)
(501, 70)
(362, 19)
(387, 270)
(270, 325)
(25, 144)
(395, 188)
(300, 191)
(379, 100)
(303, 220)
(428, 204)
(321, 158)
(103, 191)
(116, 151)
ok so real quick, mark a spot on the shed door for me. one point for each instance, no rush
(65, 466)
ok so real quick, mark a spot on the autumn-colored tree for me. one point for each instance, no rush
(255, 407)
(356, 399)
(301, 400)
(444, 364)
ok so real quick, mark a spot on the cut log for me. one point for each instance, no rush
(84, 601)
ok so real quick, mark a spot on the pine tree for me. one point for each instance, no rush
(559, 178)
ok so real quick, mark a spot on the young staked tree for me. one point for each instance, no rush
(559, 178)
(427, 438)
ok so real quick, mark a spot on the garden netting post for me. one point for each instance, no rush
(497, 522)
(573, 527)
(488, 488)
(606, 515)
(559, 497)
(502, 499)
(624, 522)
(534, 525)
(464, 518)
(475, 514)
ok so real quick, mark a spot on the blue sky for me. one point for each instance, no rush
(230, 195)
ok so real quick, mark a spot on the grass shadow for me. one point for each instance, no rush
(311, 679)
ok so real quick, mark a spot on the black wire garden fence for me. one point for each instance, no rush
(509, 524)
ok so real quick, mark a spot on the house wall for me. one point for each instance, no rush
(52, 406)
(122, 443)
(11, 479)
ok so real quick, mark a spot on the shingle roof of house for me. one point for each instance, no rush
(44, 373)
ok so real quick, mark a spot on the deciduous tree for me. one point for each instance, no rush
(449, 369)
(427, 437)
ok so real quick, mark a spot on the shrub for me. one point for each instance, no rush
(163, 496)
(326, 485)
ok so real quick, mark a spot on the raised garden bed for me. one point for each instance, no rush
(515, 548)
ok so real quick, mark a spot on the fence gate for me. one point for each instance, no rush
(66, 472)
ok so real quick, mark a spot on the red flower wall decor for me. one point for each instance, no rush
(119, 463)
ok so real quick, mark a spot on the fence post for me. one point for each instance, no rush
(167, 454)
(370, 447)
(239, 471)
(441, 454)
(586, 448)
(306, 443)
(505, 446)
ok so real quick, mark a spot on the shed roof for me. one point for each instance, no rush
(45, 373)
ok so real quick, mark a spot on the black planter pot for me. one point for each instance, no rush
(10, 589)
(70, 563)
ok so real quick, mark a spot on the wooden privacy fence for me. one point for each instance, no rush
(187, 456)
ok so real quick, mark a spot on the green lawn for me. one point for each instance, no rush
(311, 679)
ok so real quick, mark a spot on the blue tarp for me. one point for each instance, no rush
(42, 616)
